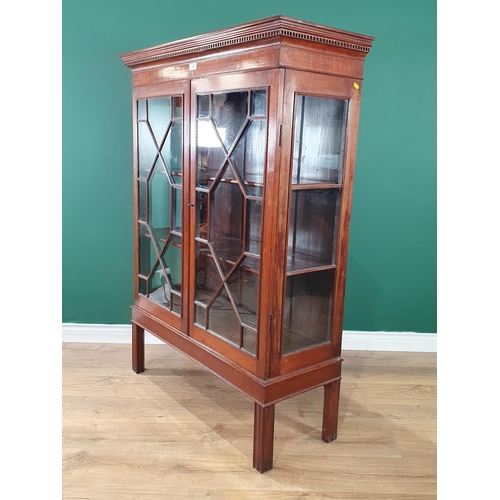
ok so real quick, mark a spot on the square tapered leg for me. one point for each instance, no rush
(137, 348)
(331, 411)
(263, 437)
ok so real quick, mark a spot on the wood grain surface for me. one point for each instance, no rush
(178, 432)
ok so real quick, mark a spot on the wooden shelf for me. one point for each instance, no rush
(161, 234)
(300, 264)
(314, 184)
(249, 180)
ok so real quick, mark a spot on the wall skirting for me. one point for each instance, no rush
(352, 340)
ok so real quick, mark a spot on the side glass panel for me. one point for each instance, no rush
(231, 131)
(312, 228)
(319, 140)
(308, 304)
(159, 128)
(316, 188)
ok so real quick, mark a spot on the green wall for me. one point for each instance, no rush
(391, 278)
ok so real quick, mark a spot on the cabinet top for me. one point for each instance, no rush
(270, 27)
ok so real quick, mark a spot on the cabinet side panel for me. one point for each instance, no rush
(315, 173)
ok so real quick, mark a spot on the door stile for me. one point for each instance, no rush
(270, 274)
(281, 197)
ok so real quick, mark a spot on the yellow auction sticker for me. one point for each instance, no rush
(355, 85)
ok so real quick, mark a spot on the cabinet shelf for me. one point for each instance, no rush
(314, 185)
(248, 180)
(161, 235)
(294, 341)
(175, 288)
(299, 263)
(161, 172)
(293, 271)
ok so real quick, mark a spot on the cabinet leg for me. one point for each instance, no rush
(263, 437)
(331, 411)
(137, 348)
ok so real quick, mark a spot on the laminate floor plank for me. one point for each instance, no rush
(178, 432)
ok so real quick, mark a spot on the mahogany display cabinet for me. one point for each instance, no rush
(244, 153)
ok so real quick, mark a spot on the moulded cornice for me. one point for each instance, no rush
(277, 26)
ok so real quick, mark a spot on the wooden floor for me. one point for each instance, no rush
(178, 432)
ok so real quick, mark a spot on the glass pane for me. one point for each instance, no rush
(308, 310)
(203, 106)
(259, 103)
(254, 218)
(312, 240)
(159, 117)
(226, 216)
(211, 293)
(176, 304)
(208, 279)
(249, 157)
(159, 288)
(210, 156)
(141, 109)
(200, 316)
(228, 175)
(143, 287)
(146, 148)
(252, 263)
(202, 214)
(177, 207)
(159, 204)
(142, 188)
(222, 319)
(177, 107)
(172, 262)
(147, 254)
(244, 286)
(172, 152)
(226, 267)
(229, 112)
(249, 341)
(319, 140)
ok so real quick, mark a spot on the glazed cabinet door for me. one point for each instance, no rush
(233, 137)
(161, 193)
(319, 132)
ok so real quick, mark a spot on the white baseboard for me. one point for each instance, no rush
(352, 340)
